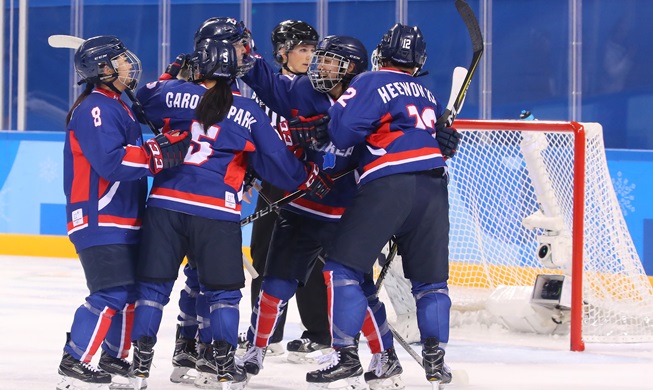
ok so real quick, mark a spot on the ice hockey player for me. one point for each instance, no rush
(393, 115)
(294, 43)
(196, 206)
(106, 164)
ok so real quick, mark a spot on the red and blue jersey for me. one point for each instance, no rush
(105, 169)
(293, 95)
(210, 181)
(394, 116)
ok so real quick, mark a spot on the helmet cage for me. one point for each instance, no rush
(326, 70)
(97, 53)
(247, 60)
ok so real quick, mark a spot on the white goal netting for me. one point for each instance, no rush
(511, 192)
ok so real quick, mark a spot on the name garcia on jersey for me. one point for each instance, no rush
(392, 90)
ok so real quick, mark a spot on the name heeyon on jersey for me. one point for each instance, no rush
(392, 90)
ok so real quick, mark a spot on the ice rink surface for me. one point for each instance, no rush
(38, 297)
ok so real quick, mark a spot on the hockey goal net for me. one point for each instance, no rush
(531, 198)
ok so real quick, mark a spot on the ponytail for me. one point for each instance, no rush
(215, 104)
(87, 91)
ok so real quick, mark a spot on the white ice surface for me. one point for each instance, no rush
(38, 297)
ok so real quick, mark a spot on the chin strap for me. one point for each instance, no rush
(285, 66)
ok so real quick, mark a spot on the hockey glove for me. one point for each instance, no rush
(167, 150)
(172, 71)
(305, 132)
(448, 139)
(317, 183)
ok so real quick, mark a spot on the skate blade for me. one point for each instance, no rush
(356, 383)
(307, 358)
(68, 383)
(183, 375)
(206, 380)
(392, 383)
(458, 378)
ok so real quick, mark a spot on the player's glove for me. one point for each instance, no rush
(317, 183)
(172, 71)
(308, 132)
(448, 139)
(167, 150)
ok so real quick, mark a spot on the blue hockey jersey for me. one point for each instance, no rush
(105, 169)
(210, 182)
(290, 96)
(394, 115)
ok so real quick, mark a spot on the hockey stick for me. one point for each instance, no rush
(476, 37)
(275, 206)
(64, 41)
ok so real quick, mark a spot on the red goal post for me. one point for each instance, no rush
(533, 213)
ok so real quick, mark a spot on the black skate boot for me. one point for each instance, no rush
(114, 365)
(343, 372)
(121, 372)
(253, 359)
(385, 371)
(183, 359)
(142, 360)
(433, 359)
(77, 374)
(225, 362)
(306, 350)
(205, 366)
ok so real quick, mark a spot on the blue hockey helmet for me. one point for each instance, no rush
(223, 29)
(104, 59)
(232, 31)
(213, 59)
(291, 33)
(402, 45)
(331, 61)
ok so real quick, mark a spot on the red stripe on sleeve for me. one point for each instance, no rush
(81, 172)
(135, 155)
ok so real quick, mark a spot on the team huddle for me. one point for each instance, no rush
(362, 146)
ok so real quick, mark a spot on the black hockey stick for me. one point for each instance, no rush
(140, 112)
(476, 37)
(275, 206)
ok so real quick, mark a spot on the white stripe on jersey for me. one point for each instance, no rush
(106, 199)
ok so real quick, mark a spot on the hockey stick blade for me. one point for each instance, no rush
(457, 80)
(64, 41)
(476, 37)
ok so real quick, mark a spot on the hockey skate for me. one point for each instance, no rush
(253, 360)
(183, 360)
(433, 359)
(344, 371)
(142, 360)
(306, 351)
(77, 375)
(230, 375)
(205, 366)
(385, 371)
(120, 370)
